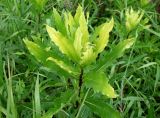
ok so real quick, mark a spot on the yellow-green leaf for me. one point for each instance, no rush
(82, 23)
(59, 22)
(65, 45)
(103, 39)
(79, 11)
(42, 54)
(84, 29)
(36, 51)
(77, 42)
(62, 65)
(88, 55)
(70, 25)
(116, 52)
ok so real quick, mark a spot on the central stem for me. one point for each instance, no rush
(80, 82)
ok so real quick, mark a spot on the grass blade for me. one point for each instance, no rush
(157, 77)
(3, 110)
(1, 68)
(37, 99)
(11, 107)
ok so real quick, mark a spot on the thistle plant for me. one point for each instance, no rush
(132, 18)
(78, 53)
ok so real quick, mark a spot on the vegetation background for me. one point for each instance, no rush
(28, 90)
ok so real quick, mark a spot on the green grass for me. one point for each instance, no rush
(27, 89)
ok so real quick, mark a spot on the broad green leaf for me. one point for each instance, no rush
(88, 56)
(102, 109)
(103, 36)
(116, 52)
(59, 22)
(62, 65)
(59, 103)
(77, 42)
(65, 46)
(99, 82)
